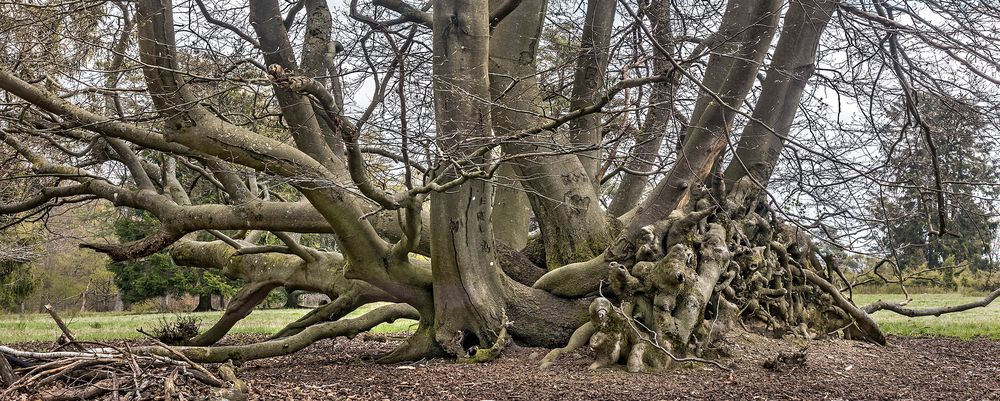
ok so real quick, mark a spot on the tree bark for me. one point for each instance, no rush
(588, 82)
(468, 299)
(511, 209)
(561, 192)
(791, 67)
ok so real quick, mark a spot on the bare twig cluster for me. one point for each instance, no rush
(93, 373)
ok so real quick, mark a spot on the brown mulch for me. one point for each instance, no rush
(908, 369)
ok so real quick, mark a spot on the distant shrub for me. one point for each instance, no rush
(177, 330)
(976, 282)
(147, 306)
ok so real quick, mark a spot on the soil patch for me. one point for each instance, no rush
(908, 369)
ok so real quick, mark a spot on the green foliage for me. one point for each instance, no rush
(16, 283)
(18, 247)
(69, 278)
(156, 275)
(218, 285)
(60, 272)
(277, 298)
(912, 209)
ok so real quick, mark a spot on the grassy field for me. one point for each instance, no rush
(984, 322)
(979, 322)
(109, 326)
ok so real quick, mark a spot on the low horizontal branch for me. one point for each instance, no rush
(910, 312)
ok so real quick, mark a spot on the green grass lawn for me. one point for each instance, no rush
(984, 322)
(979, 322)
(16, 328)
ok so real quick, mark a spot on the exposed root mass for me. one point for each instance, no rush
(716, 264)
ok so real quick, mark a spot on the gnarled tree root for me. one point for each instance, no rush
(710, 266)
(579, 338)
(421, 344)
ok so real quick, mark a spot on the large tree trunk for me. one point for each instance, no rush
(561, 192)
(292, 299)
(468, 298)
(204, 303)
(588, 82)
(791, 67)
(661, 105)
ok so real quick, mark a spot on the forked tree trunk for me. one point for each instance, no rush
(561, 191)
(793, 64)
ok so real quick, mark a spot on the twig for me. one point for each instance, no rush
(62, 326)
(217, 382)
(6, 373)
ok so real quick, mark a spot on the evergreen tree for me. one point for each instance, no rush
(912, 209)
(16, 282)
(156, 275)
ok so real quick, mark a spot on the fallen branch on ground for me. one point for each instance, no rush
(162, 371)
(910, 312)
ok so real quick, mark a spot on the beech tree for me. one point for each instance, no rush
(643, 142)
